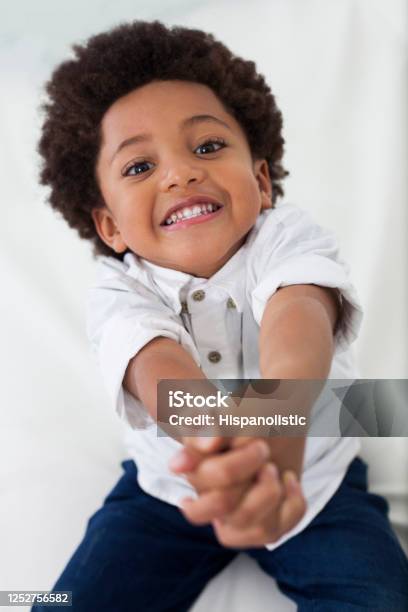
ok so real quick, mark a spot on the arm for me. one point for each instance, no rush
(296, 337)
(161, 358)
(296, 342)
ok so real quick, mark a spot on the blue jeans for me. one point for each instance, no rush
(139, 553)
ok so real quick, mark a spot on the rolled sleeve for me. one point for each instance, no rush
(122, 317)
(297, 251)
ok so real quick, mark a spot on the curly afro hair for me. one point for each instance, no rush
(112, 64)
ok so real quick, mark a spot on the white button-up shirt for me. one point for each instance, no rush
(217, 320)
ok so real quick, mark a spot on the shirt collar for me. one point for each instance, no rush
(231, 277)
(169, 283)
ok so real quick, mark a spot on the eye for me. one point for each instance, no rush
(210, 143)
(137, 167)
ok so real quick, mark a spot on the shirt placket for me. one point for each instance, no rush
(216, 329)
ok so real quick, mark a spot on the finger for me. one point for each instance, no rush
(206, 444)
(232, 467)
(213, 504)
(263, 498)
(239, 441)
(185, 460)
(232, 537)
(189, 457)
(293, 506)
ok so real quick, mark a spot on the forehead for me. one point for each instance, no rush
(162, 105)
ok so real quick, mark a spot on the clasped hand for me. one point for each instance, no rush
(240, 492)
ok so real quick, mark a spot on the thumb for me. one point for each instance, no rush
(185, 460)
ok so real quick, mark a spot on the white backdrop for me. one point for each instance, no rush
(338, 70)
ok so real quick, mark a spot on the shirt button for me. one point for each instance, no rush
(214, 357)
(231, 303)
(198, 296)
(184, 307)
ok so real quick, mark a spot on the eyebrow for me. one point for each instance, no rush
(194, 120)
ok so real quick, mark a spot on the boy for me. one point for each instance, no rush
(165, 150)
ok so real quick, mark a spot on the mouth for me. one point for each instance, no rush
(199, 206)
(199, 213)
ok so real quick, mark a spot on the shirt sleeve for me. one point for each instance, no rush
(122, 317)
(291, 249)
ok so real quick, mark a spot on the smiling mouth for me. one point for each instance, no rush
(198, 214)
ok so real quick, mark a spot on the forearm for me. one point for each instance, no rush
(160, 359)
(296, 342)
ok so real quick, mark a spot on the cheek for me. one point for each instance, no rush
(134, 216)
(238, 175)
(245, 186)
(130, 204)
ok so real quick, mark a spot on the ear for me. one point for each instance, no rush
(263, 177)
(107, 229)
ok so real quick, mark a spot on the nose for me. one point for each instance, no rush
(180, 173)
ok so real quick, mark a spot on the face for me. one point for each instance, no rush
(166, 142)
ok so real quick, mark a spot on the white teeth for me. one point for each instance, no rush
(187, 213)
